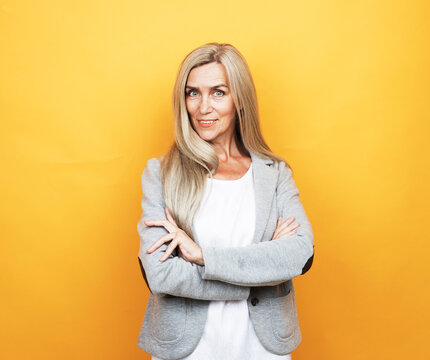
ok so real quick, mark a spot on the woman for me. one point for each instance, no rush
(223, 231)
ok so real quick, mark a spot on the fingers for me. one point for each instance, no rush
(169, 249)
(286, 232)
(169, 223)
(282, 225)
(166, 223)
(161, 241)
(285, 228)
(278, 224)
(288, 225)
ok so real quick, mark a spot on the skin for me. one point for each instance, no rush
(208, 97)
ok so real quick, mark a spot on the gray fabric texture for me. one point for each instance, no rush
(260, 273)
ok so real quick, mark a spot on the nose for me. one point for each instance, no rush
(205, 105)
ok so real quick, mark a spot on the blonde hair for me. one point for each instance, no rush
(191, 159)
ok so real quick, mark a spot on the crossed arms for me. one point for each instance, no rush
(228, 273)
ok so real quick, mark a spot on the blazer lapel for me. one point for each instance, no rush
(265, 180)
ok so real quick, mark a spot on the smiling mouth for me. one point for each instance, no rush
(206, 121)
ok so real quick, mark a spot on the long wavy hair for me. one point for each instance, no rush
(190, 159)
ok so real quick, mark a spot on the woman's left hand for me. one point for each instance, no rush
(187, 248)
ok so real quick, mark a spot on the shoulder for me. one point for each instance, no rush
(286, 183)
(280, 165)
(276, 162)
(284, 171)
(154, 164)
(151, 175)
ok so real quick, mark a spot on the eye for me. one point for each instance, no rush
(219, 93)
(192, 93)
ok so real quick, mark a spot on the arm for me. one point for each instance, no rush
(268, 262)
(174, 276)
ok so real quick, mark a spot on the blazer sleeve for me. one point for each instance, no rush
(174, 276)
(268, 262)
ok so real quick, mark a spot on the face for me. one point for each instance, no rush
(210, 104)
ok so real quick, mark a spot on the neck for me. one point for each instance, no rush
(229, 148)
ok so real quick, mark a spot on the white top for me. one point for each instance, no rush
(226, 217)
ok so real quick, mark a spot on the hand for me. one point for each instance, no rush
(187, 248)
(285, 228)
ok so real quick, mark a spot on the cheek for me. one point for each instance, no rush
(190, 107)
(227, 109)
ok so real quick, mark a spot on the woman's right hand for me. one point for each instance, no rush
(284, 228)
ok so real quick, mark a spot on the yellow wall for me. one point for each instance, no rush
(85, 100)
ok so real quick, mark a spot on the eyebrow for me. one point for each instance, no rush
(213, 87)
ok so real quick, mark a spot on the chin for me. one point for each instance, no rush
(206, 137)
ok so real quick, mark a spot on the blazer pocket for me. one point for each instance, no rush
(283, 314)
(168, 318)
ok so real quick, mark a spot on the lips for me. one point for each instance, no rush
(206, 123)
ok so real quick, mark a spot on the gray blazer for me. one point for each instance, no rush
(260, 273)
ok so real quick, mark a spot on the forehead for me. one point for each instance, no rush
(207, 75)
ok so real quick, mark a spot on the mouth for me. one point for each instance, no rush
(206, 123)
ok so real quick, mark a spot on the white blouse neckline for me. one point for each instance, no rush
(234, 180)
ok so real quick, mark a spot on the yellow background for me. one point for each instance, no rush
(85, 94)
